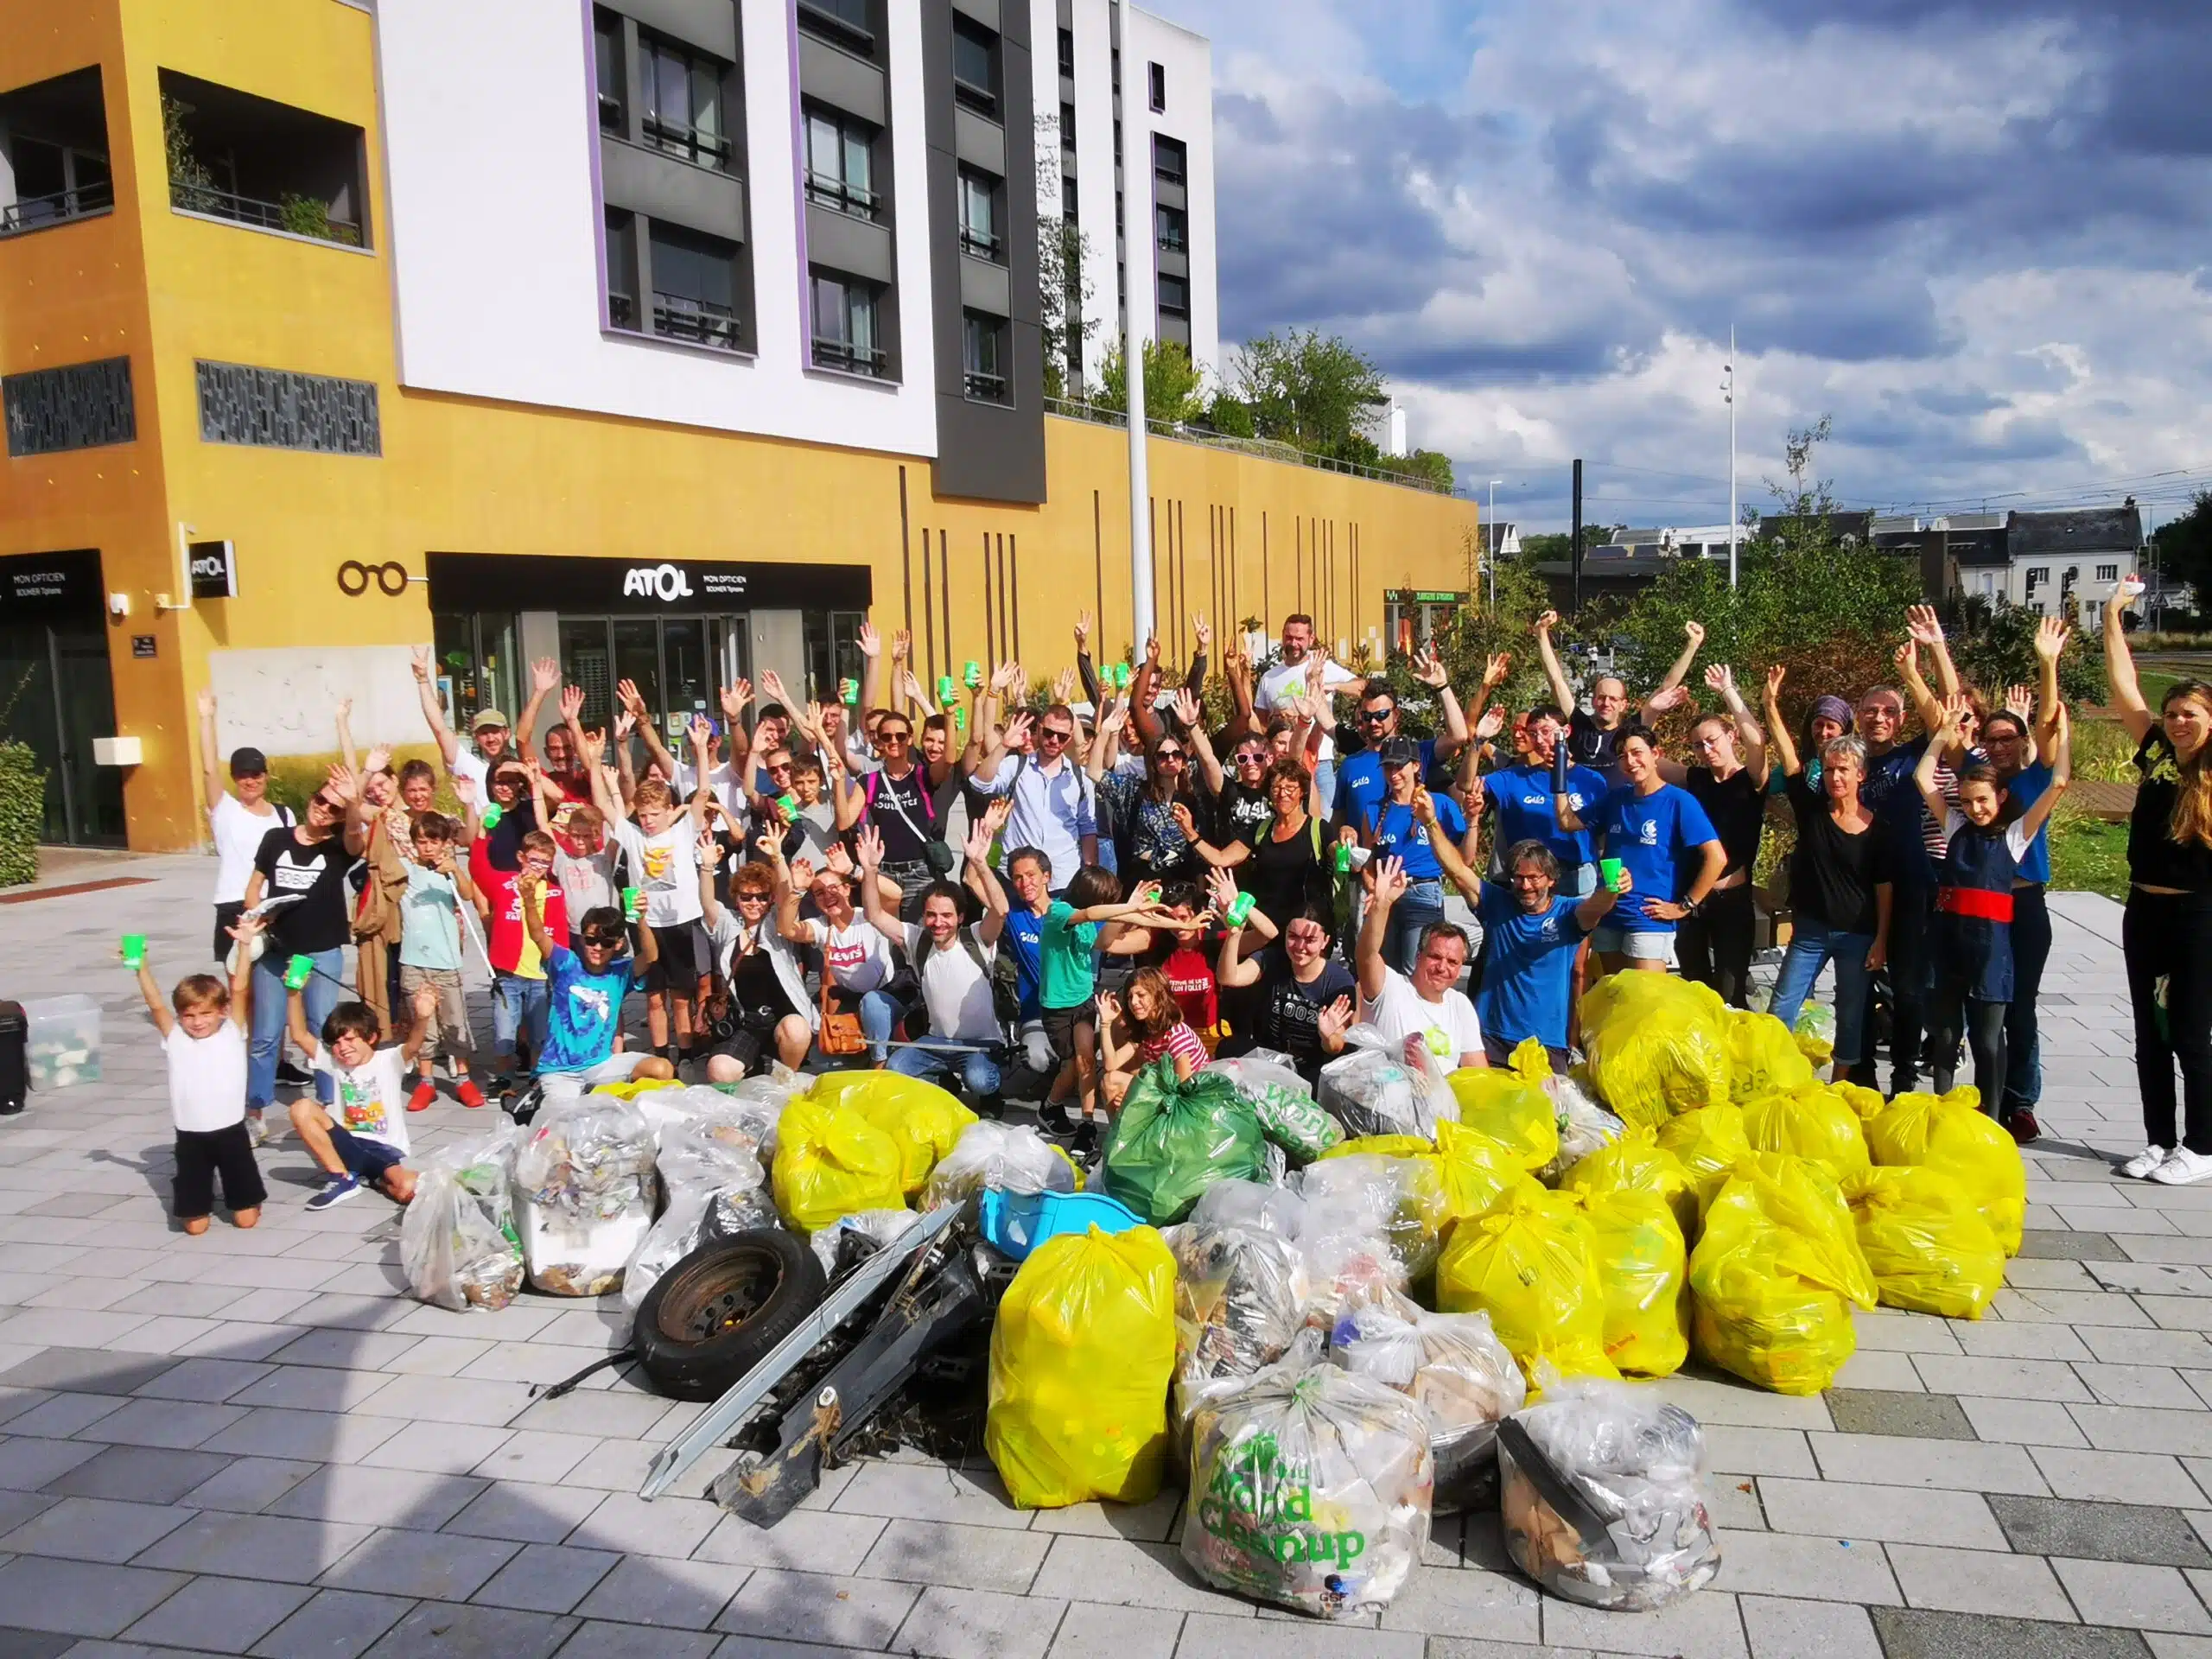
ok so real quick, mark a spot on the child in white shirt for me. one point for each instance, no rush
(361, 1139)
(204, 1038)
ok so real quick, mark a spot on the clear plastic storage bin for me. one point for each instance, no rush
(63, 1039)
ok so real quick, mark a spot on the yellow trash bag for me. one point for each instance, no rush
(1531, 1265)
(1772, 1274)
(831, 1161)
(922, 1120)
(1643, 1271)
(1655, 1045)
(1708, 1143)
(1383, 1145)
(1811, 1123)
(1925, 1242)
(1862, 1100)
(1766, 1058)
(1953, 1133)
(1637, 1163)
(1081, 1359)
(631, 1088)
(1504, 1106)
(1478, 1172)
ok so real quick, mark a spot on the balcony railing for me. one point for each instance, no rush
(297, 215)
(984, 245)
(844, 22)
(987, 388)
(37, 212)
(610, 112)
(981, 99)
(843, 355)
(1268, 448)
(688, 143)
(840, 197)
(701, 321)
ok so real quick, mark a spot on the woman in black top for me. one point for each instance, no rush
(1714, 944)
(1839, 892)
(2166, 931)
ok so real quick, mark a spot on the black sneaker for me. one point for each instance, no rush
(288, 1073)
(1052, 1117)
(1086, 1138)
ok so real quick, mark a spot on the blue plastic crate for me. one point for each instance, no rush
(1017, 1223)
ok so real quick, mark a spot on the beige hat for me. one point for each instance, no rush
(487, 717)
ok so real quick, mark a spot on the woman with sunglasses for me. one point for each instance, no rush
(898, 802)
(1151, 797)
(305, 864)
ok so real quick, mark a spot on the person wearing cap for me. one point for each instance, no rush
(489, 730)
(1362, 783)
(1390, 828)
(238, 816)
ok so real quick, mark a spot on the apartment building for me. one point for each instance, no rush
(668, 339)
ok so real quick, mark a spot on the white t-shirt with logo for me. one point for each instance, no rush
(668, 868)
(206, 1077)
(856, 956)
(1401, 1012)
(238, 835)
(371, 1100)
(1290, 679)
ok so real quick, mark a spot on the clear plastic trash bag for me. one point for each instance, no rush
(457, 1240)
(1451, 1364)
(1239, 1301)
(1002, 1155)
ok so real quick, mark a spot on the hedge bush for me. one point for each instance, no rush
(22, 813)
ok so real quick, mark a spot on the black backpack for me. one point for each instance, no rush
(1001, 971)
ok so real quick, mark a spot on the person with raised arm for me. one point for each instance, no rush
(1299, 990)
(1729, 781)
(1424, 1010)
(585, 990)
(758, 1009)
(238, 816)
(1055, 806)
(1663, 838)
(1593, 738)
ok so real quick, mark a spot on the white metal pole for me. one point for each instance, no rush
(1137, 200)
(1733, 531)
(1492, 537)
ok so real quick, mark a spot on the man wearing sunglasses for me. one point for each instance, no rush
(1054, 807)
(1363, 781)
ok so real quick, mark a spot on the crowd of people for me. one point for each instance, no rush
(1054, 891)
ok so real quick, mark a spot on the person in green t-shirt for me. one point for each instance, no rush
(1067, 981)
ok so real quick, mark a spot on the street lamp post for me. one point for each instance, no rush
(1136, 183)
(1728, 390)
(1491, 535)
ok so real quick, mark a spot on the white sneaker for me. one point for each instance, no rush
(2183, 1168)
(2139, 1168)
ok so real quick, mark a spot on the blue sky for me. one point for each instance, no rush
(1974, 233)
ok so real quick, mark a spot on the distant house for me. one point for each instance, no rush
(2067, 563)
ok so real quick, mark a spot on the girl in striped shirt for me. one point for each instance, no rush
(1143, 1028)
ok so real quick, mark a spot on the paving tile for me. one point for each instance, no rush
(94, 1530)
(601, 1640)
(809, 1541)
(318, 1436)
(84, 1370)
(2003, 1379)
(1471, 1602)
(1283, 1635)
(2100, 1531)
(255, 1546)
(1995, 1340)
(528, 1514)
(441, 1448)
(223, 1615)
(1704, 1626)
(440, 1566)
(434, 1630)
(968, 1558)
(249, 1484)
(332, 1624)
(599, 1411)
(1730, 1450)
(61, 1415)
(1979, 1581)
(450, 1400)
(546, 1579)
(2023, 1423)
(1724, 1400)
(2067, 1307)
(1121, 1571)
(173, 1423)
(1890, 1460)
(312, 1388)
(683, 1594)
(1825, 1568)
(1843, 1510)
(2138, 1385)
(1912, 1633)
(1783, 1629)
(2152, 1278)
(810, 1607)
(375, 1497)
(27, 1464)
(1089, 1630)
(1870, 1370)
(2048, 1273)
(1153, 1520)
(208, 1380)
(36, 1644)
(2114, 1477)
(667, 1526)
(1932, 1416)
(79, 1598)
(535, 1454)
(2131, 1594)
(2171, 1312)
(2130, 1428)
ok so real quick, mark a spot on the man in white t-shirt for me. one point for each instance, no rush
(237, 817)
(361, 1139)
(1293, 676)
(488, 729)
(955, 965)
(1424, 1009)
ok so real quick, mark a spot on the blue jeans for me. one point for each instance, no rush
(880, 1012)
(323, 992)
(1811, 947)
(1421, 905)
(519, 1006)
(978, 1067)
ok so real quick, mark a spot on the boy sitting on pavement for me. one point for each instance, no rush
(204, 1041)
(362, 1138)
(584, 1010)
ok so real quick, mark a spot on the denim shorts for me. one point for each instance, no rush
(1637, 947)
(363, 1157)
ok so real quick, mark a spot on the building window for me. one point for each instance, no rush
(622, 269)
(983, 356)
(975, 66)
(695, 288)
(250, 160)
(2107, 573)
(1174, 228)
(682, 92)
(607, 48)
(979, 217)
(53, 153)
(845, 332)
(840, 163)
(1159, 88)
(1174, 297)
(1170, 160)
(1067, 53)
(843, 21)
(1067, 129)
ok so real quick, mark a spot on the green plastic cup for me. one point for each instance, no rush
(960, 718)
(947, 687)
(848, 691)
(630, 897)
(1609, 872)
(789, 802)
(133, 950)
(972, 672)
(1344, 858)
(297, 972)
(492, 814)
(1121, 677)
(1240, 907)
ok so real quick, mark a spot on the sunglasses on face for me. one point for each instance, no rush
(326, 803)
(607, 940)
(1375, 716)
(1165, 755)
(894, 737)
(751, 897)
(780, 765)
(1251, 757)
(1054, 734)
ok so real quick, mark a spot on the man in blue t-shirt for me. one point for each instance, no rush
(1389, 828)
(1521, 796)
(1029, 873)
(1665, 842)
(585, 990)
(1361, 781)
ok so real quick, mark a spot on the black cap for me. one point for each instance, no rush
(1398, 752)
(249, 763)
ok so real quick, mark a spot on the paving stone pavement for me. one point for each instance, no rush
(257, 1443)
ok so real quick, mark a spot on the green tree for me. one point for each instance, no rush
(1174, 385)
(2184, 547)
(1308, 390)
(1065, 322)
(1994, 647)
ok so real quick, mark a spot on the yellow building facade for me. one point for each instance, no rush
(473, 508)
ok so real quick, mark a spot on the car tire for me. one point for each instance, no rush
(723, 1309)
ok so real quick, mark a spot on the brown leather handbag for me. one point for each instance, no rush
(841, 1033)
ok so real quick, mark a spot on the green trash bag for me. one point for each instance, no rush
(1172, 1140)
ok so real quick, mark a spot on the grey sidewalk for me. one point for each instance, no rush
(257, 1443)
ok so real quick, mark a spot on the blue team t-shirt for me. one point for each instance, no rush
(1528, 967)
(1890, 793)
(1522, 797)
(1025, 932)
(1397, 832)
(1361, 787)
(2027, 788)
(1650, 835)
(583, 1010)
